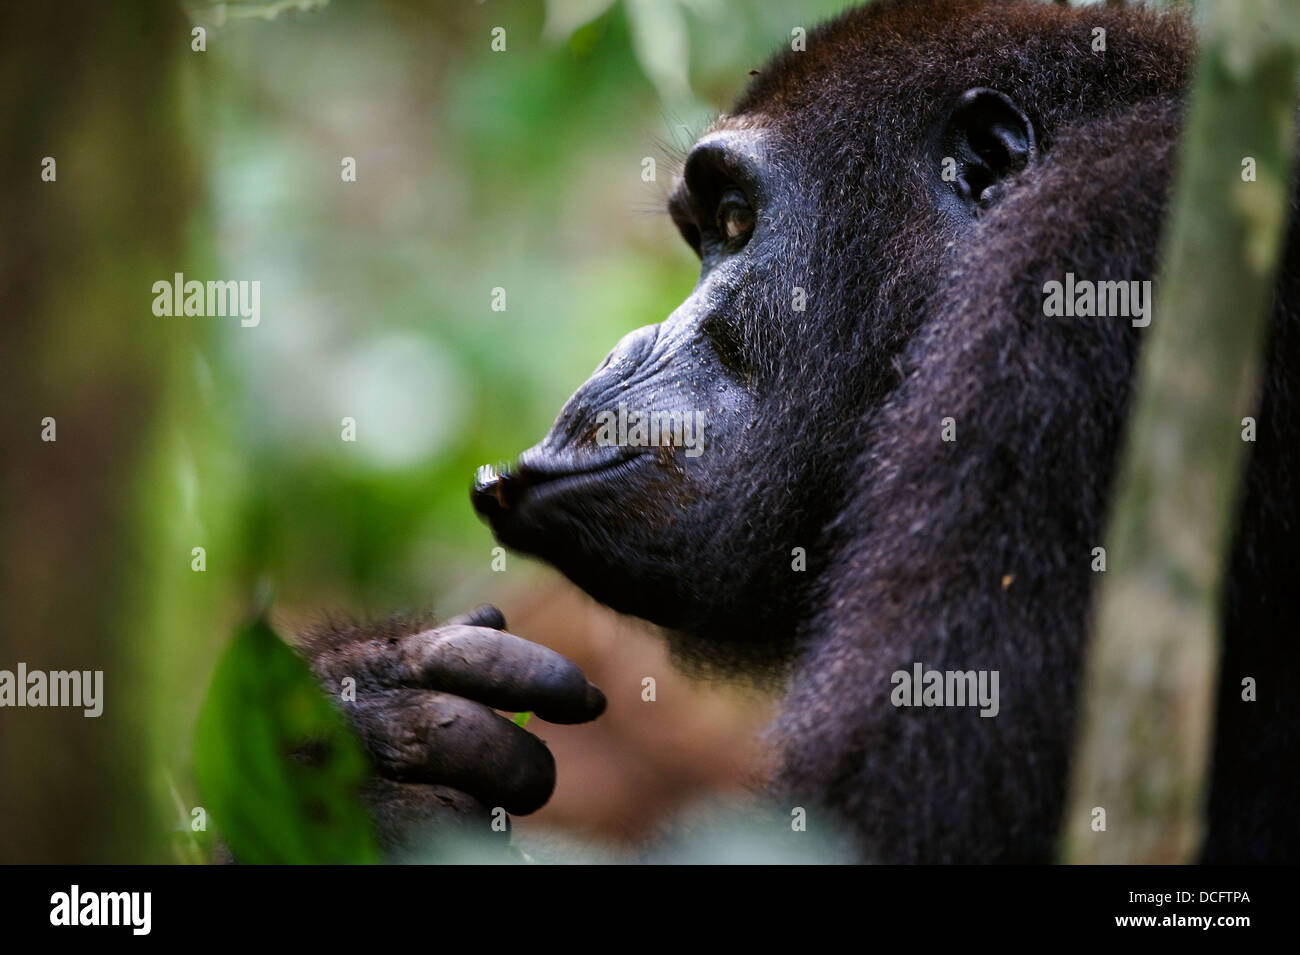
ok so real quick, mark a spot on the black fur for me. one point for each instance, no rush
(965, 555)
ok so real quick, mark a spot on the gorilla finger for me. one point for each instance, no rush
(484, 615)
(503, 671)
(415, 736)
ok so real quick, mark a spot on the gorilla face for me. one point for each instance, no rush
(707, 456)
(649, 491)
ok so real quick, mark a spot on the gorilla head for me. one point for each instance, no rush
(684, 523)
(821, 209)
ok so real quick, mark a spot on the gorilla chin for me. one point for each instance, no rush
(571, 510)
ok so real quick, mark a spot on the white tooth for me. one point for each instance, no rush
(486, 474)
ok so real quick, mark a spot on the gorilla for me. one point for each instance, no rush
(904, 461)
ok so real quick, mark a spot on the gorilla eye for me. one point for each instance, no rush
(735, 219)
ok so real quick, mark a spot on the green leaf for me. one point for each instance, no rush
(276, 765)
(521, 719)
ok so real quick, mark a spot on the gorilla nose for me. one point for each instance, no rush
(573, 427)
(632, 351)
(569, 449)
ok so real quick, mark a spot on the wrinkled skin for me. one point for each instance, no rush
(425, 708)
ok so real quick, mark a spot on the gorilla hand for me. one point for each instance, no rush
(424, 709)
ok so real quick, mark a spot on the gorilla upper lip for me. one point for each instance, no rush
(499, 489)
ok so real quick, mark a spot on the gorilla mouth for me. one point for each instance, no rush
(502, 489)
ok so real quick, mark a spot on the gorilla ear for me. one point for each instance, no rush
(990, 139)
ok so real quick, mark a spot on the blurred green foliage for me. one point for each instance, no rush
(275, 763)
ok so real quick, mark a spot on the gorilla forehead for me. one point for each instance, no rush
(902, 61)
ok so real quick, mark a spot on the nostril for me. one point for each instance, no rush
(633, 350)
(619, 368)
(637, 346)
